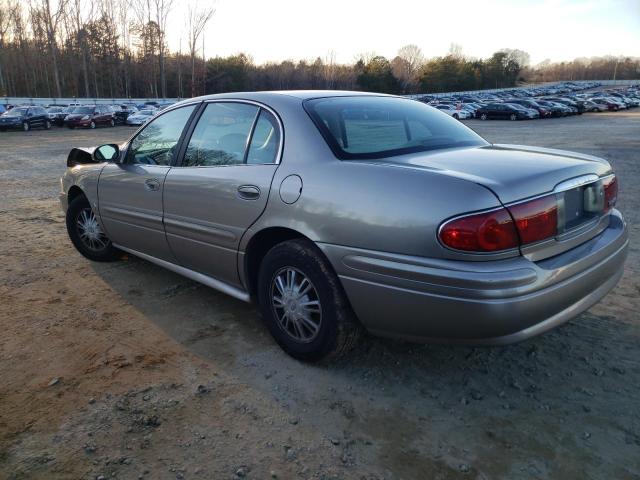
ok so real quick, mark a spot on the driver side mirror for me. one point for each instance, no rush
(107, 153)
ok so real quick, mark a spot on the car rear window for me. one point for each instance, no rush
(369, 127)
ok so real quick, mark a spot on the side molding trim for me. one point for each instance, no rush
(195, 276)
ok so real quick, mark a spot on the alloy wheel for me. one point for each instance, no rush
(89, 231)
(296, 304)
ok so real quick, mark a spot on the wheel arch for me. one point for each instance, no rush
(258, 246)
(74, 192)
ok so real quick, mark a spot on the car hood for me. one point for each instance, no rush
(512, 172)
(77, 116)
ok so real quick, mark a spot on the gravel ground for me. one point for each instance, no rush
(129, 371)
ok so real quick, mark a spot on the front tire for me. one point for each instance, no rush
(92, 125)
(112, 123)
(47, 125)
(25, 126)
(303, 303)
(513, 117)
(86, 232)
(483, 116)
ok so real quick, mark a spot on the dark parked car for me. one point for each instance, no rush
(25, 118)
(123, 112)
(90, 116)
(556, 109)
(543, 111)
(502, 111)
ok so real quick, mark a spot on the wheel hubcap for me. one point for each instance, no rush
(296, 304)
(90, 231)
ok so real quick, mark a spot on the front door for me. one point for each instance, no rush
(130, 192)
(221, 186)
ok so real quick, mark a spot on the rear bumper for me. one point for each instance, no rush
(497, 302)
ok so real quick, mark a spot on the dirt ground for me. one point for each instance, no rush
(128, 371)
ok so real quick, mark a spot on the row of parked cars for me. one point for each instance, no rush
(540, 102)
(26, 117)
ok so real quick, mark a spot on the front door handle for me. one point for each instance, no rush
(248, 192)
(152, 184)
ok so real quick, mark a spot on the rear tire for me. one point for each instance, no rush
(25, 126)
(303, 303)
(92, 125)
(513, 117)
(112, 123)
(86, 233)
(47, 125)
(483, 116)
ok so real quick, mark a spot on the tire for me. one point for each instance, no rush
(25, 126)
(112, 123)
(330, 329)
(483, 116)
(92, 125)
(93, 250)
(455, 115)
(47, 125)
(513, 117)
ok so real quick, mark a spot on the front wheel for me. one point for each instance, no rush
(92, 124)
(483, 116)
(513, 116)
(25, 126)
(47, 125)
(86, 233)
(112, 123)
(303, 304)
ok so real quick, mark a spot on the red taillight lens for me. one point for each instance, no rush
(610, 192)
(484, 232)
(536, 220)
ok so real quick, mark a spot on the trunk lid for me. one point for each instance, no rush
(512, 172)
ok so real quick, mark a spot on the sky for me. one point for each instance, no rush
(275, 30)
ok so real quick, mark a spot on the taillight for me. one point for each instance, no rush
(610, 192)
(483, 232)
(537, 219)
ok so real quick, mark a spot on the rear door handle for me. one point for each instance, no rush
(152, 184)
(248, 192)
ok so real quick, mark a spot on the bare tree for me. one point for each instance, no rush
(197, 20)
(52, 18)
(407, 65)
(162, 9)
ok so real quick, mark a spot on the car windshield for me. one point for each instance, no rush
(83, 110)
(369, 127)
(16, 112)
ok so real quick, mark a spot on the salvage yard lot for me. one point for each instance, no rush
(126, 370)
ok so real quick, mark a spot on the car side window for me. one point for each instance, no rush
(265, 140)
(156, 143)
(221, 135)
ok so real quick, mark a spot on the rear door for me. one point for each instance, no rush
(222, 185)
(130, 193)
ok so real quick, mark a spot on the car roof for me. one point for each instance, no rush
(301, 94)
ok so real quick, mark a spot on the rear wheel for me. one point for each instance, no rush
(303, 303)
(47, 125)
(483, 116)
(112, 123)
(92, 124)
(513, 116)
(86, 233)
(25, 126)
(455, 115)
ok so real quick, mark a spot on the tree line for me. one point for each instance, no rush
(118, 48)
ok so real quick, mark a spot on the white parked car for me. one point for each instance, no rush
(458, 114)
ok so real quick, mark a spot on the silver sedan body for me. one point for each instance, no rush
(377, 221)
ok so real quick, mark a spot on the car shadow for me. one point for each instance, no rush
(541, 394)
